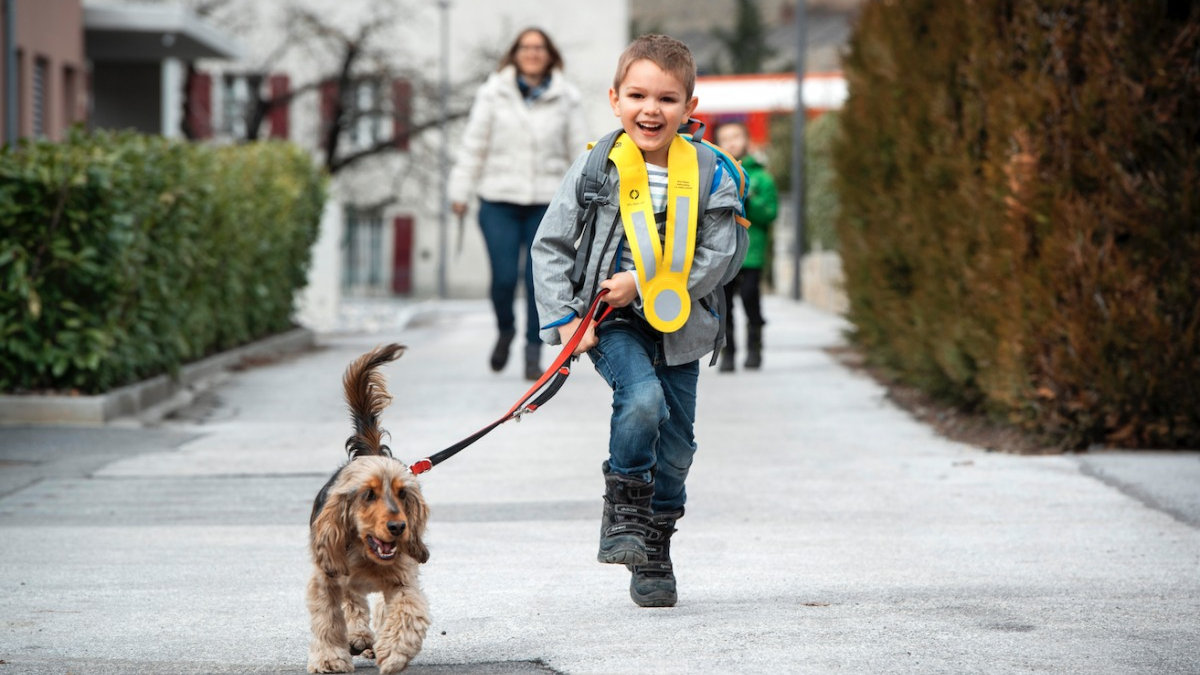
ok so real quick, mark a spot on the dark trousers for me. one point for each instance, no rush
(508, 231)
(746, 285)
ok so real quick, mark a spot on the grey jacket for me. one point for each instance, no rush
(713, 264)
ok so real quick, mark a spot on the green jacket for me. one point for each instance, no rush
(762, 205)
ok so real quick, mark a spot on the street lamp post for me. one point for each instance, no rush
(444, 151)
(798, 156)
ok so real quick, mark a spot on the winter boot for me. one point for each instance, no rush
(754, 347)
(626, 520)
(726, 365)
(500, 351)
(533, 361)
(653, 584)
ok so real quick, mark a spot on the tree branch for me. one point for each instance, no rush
(389, 145)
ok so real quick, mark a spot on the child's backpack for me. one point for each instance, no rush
(592, 191)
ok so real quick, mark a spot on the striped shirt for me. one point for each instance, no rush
(658, 202)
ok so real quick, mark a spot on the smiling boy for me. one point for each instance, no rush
(663, 263)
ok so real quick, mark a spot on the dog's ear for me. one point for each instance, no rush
(417, 513)
(331, 535)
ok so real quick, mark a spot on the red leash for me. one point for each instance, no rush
(544, 389)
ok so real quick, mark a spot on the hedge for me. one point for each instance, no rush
(821, 205)
(124, 256)
(1020, 228)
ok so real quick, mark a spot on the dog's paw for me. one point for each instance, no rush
(330, 663)
(393, 663)
(361, 643)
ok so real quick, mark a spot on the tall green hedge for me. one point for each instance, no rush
(1020, 228)
(123, 256)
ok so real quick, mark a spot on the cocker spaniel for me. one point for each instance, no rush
(366, 529)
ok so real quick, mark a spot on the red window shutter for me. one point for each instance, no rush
(401, 112)
(402, 255)
(198, 116)
(280, 107)
(329, 91)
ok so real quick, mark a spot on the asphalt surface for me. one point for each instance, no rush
(826, 530)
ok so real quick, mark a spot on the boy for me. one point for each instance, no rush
(664, 285)
(762, 205)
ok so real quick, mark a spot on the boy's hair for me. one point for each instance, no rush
(731, 123)
(665, 52)
(510, 57)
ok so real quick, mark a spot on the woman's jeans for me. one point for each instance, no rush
(508, 230)
(653, 408)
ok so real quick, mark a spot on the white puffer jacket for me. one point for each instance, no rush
(518, 153)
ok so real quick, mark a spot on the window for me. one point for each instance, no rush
(20, 93)
(363, 269)
(41, 68)
(369, 115)
(235, 104)
(69, 96)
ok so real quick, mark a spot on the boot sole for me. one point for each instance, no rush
(623, 552)
(654, 599)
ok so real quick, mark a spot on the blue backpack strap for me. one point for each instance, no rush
(591, 192)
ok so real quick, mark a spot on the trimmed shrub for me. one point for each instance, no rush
(1020, 219)
(124, 256)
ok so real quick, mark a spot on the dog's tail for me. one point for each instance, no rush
(367, 397)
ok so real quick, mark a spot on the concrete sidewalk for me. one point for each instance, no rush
(826, 530)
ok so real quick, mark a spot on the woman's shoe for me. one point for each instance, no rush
(500, 351)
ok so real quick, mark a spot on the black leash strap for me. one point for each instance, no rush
(542, 391)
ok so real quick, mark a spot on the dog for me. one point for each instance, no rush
(366, 534)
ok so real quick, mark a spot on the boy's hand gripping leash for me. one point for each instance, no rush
(544, 389)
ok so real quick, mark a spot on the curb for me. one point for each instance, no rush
(159, 394)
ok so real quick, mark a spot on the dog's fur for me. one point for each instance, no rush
(366, 529)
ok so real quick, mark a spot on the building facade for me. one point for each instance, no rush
(388, 232)
(43, 81)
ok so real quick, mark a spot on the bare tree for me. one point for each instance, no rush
(350, 58)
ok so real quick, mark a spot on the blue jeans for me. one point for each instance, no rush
(508, 230)
(653, 408)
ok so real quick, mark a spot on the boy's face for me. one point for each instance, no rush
(651, 103)
(732, 139)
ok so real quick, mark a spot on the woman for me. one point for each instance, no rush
(526, 127)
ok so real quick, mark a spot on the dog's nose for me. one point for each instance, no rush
(395, 527)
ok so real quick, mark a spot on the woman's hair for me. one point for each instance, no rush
(665, 52)
(510, 57)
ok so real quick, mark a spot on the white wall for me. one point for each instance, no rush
(318, 304)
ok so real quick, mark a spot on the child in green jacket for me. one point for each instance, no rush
(762, 205)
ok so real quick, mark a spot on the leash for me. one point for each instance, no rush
(542, 391)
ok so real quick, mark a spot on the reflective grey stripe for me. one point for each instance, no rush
(645, 245)
(683, 233)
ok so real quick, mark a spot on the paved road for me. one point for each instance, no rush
(826, 530)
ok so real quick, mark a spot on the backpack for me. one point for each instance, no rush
(593, 189)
